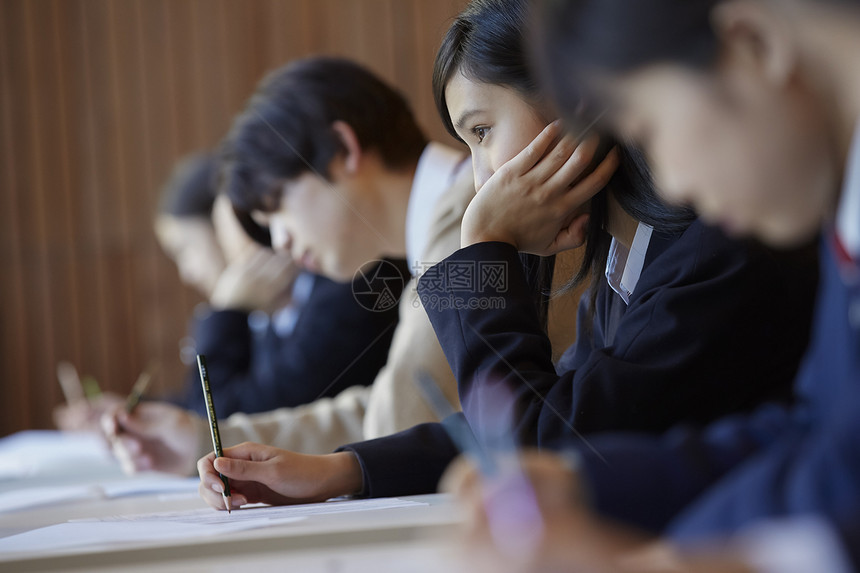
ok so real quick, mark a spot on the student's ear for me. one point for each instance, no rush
(756, 36)
(352, 148)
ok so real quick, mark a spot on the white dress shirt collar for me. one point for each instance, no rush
(848, 213)
(624, 266)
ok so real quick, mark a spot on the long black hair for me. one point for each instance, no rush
(487, 43)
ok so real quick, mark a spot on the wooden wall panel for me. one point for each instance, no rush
(14, 327)
(98, 99)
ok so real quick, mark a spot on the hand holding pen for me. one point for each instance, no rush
(504, 494)
(140, 386)
(85, 402)
(150, 435)
(256, 473)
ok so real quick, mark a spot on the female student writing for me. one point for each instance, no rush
(675, 331)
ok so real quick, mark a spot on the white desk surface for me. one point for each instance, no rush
(307, 537)
(378, 540)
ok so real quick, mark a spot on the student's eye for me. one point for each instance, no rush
(480, 132)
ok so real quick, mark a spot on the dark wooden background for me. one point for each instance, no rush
(98, 98)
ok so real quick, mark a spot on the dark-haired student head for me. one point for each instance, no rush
(195, 226)
(487, 94)
(733, 101)
(319, 156)
(183, 224)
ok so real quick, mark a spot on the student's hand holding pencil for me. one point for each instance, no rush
(155, 436)
(85, 415)
(85, 401)
(572, 536)
(264, 474)
(538, 200)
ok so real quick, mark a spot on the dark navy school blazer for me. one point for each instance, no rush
(776, 461)
(336, 343)
(713, 326)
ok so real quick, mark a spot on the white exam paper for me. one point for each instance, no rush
(23, 498)
(212, 517)
(40, 453)
(179, 524)
(104, 533)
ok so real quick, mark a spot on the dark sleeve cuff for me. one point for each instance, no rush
(407, 463)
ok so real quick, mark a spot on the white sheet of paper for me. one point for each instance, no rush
(19, 499)
(22, 498)
(179, 524)
(78, 534)
(48, 452)
(147, 484)
(211, 517)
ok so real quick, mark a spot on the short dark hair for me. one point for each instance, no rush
(618, 35)
(286, 130)
(487, 43)
(190, 189)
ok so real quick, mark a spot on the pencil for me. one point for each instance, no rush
(92, 390)
(139, 387)
(213, 423)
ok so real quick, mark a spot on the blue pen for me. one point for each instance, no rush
(456, 426)
(512, 512)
